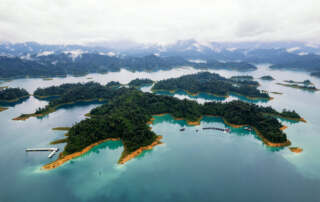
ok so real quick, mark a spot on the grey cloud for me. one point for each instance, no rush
(82, 21)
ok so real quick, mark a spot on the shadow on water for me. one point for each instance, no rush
(12, 104)
(254, 101)
(200, 95)
(48, 98)
(80, 103)
(73, 105)
(112, 145)
(209, 97)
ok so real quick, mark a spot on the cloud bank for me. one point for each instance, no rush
(154, 21)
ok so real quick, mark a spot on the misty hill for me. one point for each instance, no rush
(81, 64)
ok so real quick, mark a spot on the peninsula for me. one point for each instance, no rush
(127, 112)
(9, 95)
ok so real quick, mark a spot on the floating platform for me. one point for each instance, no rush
(53, 150)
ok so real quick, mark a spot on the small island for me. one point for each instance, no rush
(138, 83)
(296, 149)
(10, 95)
(267, 78)
(303, 85)
(128, 111)
(213, 84)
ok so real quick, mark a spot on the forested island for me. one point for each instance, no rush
(305, 82)
(127, 111)
(9, 95)
(267, 78)
(63, 64)
(212, 83)
(138, 83)
(304, 85)
(67, 94)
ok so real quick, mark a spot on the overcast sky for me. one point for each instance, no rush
(159, 21)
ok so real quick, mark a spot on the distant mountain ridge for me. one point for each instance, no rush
(63, 64)
(34, 59)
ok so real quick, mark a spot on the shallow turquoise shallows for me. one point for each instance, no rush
(191, 165)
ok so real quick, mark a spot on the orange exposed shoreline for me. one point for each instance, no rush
(25, 117)
(63, 159)
(137, 152)
(160, 114)
(3, 109)
(302, 120)
(151, 121)
(283, 128)
(126, 157)
(296, 149)
(264, 140)
(195, 123)
(271, 144)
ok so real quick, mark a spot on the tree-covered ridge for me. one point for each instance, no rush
(140, 82)
(56, 90)
(214, 64)
(63, 64)
(113, 84)
(12, 94)
(267, 78)
(308, 62)
(125, 117)
(211, 83)
(72, 93)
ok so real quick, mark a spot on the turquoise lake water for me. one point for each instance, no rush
(188, 166)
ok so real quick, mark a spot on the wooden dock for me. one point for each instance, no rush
(53, 150)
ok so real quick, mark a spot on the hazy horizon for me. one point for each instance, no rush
(154, 22)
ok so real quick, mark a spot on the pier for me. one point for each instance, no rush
(220, 129)
(53, 150)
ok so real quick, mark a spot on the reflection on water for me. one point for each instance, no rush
(12, 104)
